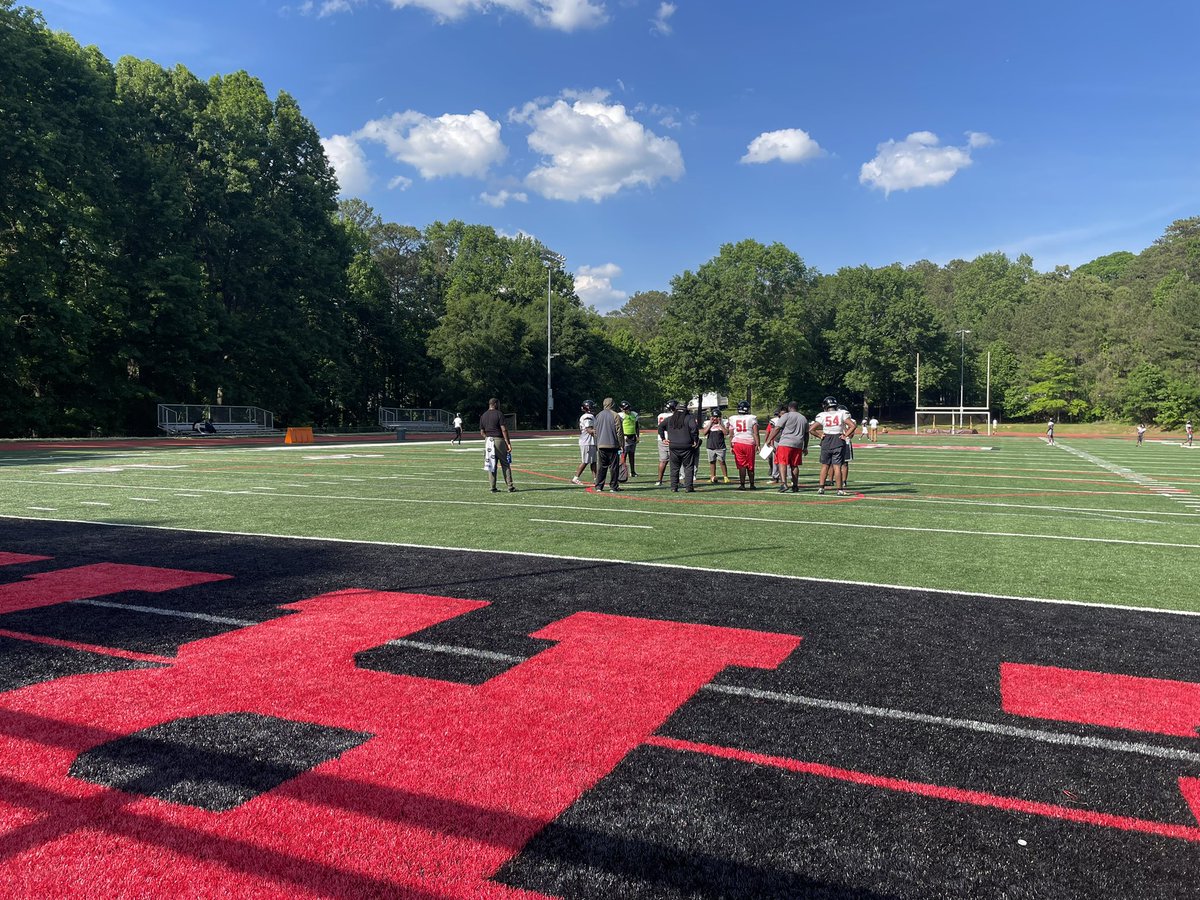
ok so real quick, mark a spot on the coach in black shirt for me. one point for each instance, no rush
(682, 434)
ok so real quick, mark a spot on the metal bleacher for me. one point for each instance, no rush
(182, 418)
(416, 419)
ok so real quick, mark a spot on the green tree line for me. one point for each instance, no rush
(168, 239)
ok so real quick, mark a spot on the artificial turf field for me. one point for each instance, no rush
(436, 721)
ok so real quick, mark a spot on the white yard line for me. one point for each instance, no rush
(1033, 734)
(913, 588)
(93, 503)
(590, 524)
(43, 508)
(159, 611)
(627, 510)
(143, 499)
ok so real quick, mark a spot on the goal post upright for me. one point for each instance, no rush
(958, 413)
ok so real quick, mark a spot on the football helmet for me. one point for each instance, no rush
(829, 403)
(743, 407)
(589, 406)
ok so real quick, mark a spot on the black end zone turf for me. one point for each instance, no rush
(215, 762)
(679, 823)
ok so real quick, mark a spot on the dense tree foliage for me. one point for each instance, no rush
(167, 239)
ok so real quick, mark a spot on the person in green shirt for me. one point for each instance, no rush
(629, 425)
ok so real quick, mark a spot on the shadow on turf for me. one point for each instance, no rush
(557, 857)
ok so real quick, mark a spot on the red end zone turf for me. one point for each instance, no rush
(537, 727)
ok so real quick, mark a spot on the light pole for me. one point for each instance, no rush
(962, 349)
(552, 261)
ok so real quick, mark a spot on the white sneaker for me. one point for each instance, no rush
(841, 493)
(658, 484)
(576, 480)
(820, 490)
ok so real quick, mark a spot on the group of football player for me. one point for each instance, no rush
(680, 433)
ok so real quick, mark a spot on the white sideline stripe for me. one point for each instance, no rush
(159, 611)
(592, 524)
(1033, 734)
(819, 523)
(1035, 507)
(646, 563)
(44, 508)
(457, 651)
(192, 496)
(93, 503)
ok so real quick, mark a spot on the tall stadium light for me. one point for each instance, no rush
(962, 349)
(552, 261)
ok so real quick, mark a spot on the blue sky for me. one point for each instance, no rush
(637, 136)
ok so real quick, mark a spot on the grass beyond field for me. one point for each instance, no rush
(1097, 521)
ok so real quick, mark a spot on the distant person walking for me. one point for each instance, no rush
(497, 446)
(629, 427)
(744, 428)
(1141, 433)
(873, 430)
(457, 429)
(609, 441)
(1188, 429)
(1050, 432)
(587, 440)
(714, 432)
(788, 438)
(681, 434)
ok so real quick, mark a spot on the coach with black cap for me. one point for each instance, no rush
(681, 433)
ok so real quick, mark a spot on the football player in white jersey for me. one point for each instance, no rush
(744, 428)
(587, 441)
(831, 425)
(1188, 429)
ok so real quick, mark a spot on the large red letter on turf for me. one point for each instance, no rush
(453, 784)
(83, 582)
(1097, 698)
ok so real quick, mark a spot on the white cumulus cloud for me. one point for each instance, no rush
(400, 181)
(451, 144)
(919, 160)
(789, 145)
(594, 149)
(563, 15)
(661, 23)
(503, 196)
(349, 164)
(594, 286)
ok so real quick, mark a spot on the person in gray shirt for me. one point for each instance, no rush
(788, 439)
(610, 438)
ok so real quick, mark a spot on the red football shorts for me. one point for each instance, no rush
(744, 455)
(788, 456)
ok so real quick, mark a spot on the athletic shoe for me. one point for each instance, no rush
(727, 479)
(576, 480)
(783, 490)
(712, 481)
(512, 488)
(795, 490)
(658, 484)
(841, 493)
(495, 490)
(820, 490)
(691, 490)
(617, 488)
